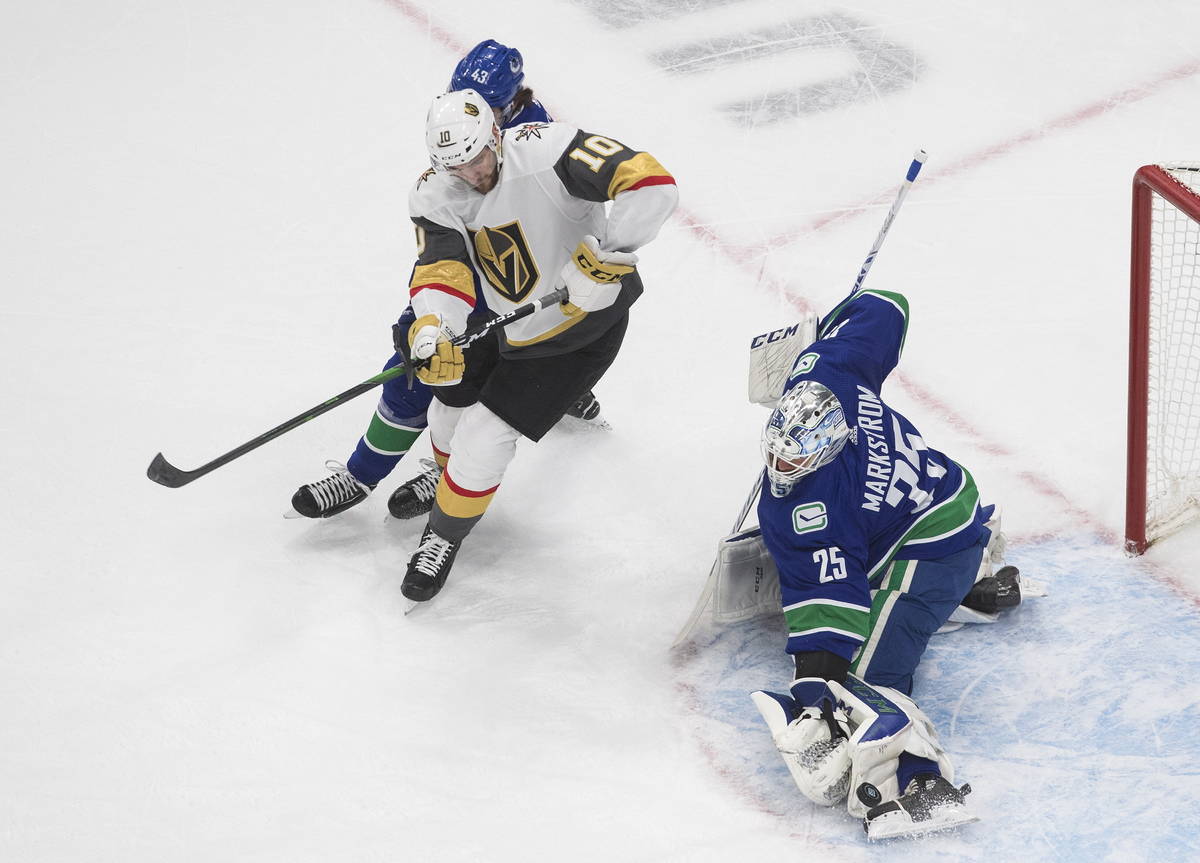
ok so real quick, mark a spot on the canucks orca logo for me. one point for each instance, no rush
(506, 260)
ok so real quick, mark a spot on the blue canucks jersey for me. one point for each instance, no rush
(887, 496)
(534, 112)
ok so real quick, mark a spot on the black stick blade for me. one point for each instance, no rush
(165, 473)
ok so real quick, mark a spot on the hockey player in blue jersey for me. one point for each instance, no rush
(497, 73)
(877, 538)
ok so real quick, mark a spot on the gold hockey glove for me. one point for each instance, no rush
(428, 338)
(593, 277)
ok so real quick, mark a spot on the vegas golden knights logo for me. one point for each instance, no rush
(506, 260)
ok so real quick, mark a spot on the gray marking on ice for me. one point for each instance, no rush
(626, 13)
(883, 66)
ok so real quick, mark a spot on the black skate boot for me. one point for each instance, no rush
(995, 592)
(429, 566)
(334, 494)
(415, 497)
(587, 408)
(930, 803)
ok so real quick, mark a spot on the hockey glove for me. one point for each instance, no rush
(427, 338)
(593, 277)
(811, 732)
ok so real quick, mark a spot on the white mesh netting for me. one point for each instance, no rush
(1173, 410)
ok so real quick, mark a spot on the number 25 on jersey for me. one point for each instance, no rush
(833, 565)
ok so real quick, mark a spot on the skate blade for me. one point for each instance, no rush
(894, 828)
(596, 423)
(1030, 587)
(291, 513)
(411, 605)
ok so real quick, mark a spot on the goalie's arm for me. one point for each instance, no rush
(823, 583)
(864, 335)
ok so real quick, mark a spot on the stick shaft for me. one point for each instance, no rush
(913, 169)
(165, 473)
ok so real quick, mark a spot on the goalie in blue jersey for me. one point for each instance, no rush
(877, 538)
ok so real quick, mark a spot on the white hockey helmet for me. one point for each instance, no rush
(806, 431)
(458, 127)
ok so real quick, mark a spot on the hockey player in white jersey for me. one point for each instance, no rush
(877, 538)
(509, 217)
(497, 72)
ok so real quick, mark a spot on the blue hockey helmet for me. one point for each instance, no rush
(806, 431)
(492, 70)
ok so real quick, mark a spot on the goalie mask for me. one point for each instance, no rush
(459, 127)
(806, 431)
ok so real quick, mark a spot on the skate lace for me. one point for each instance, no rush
(425, 484)
(336, 489)
(432, 554)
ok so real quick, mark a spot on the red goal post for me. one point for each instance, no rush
(1162, 489)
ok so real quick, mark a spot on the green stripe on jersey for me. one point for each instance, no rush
(388, 439)
(944, 520)
(820, 615)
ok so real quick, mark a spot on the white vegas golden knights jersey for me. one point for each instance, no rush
(508, 247)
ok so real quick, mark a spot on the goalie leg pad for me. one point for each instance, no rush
(886, 723)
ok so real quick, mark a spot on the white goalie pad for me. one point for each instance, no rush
(886, 723)
(772, 355)
(742, 585)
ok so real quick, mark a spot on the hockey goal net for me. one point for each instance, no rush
(1163, 465)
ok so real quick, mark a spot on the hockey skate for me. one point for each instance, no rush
(929, 804)
(429, 566)
(587, 410)
(992, 593)
(334, 494)
(415, 497)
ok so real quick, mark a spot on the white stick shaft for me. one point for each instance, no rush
(913, 170)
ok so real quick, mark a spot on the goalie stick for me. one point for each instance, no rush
(163, 472)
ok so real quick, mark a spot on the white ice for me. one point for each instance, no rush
(204, 231)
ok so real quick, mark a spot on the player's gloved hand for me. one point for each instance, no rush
(593, 277)
(428, 338)
(811, 731)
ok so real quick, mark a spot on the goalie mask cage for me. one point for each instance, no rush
(1162, 489)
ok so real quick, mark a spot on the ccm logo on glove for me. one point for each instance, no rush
(593, 277)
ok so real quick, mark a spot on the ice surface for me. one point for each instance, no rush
(204, 231)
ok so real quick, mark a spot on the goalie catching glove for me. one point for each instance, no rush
(593, 277)
(811, 731)
(429, 339)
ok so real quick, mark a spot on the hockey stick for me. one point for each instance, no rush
(913, 169)
(165, 473)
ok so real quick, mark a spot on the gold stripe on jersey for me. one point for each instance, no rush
(452, 277)
(578, 315)
(637, 170)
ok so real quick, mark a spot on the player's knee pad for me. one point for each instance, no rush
(886, 723)
(483, 446)
(442, 420)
